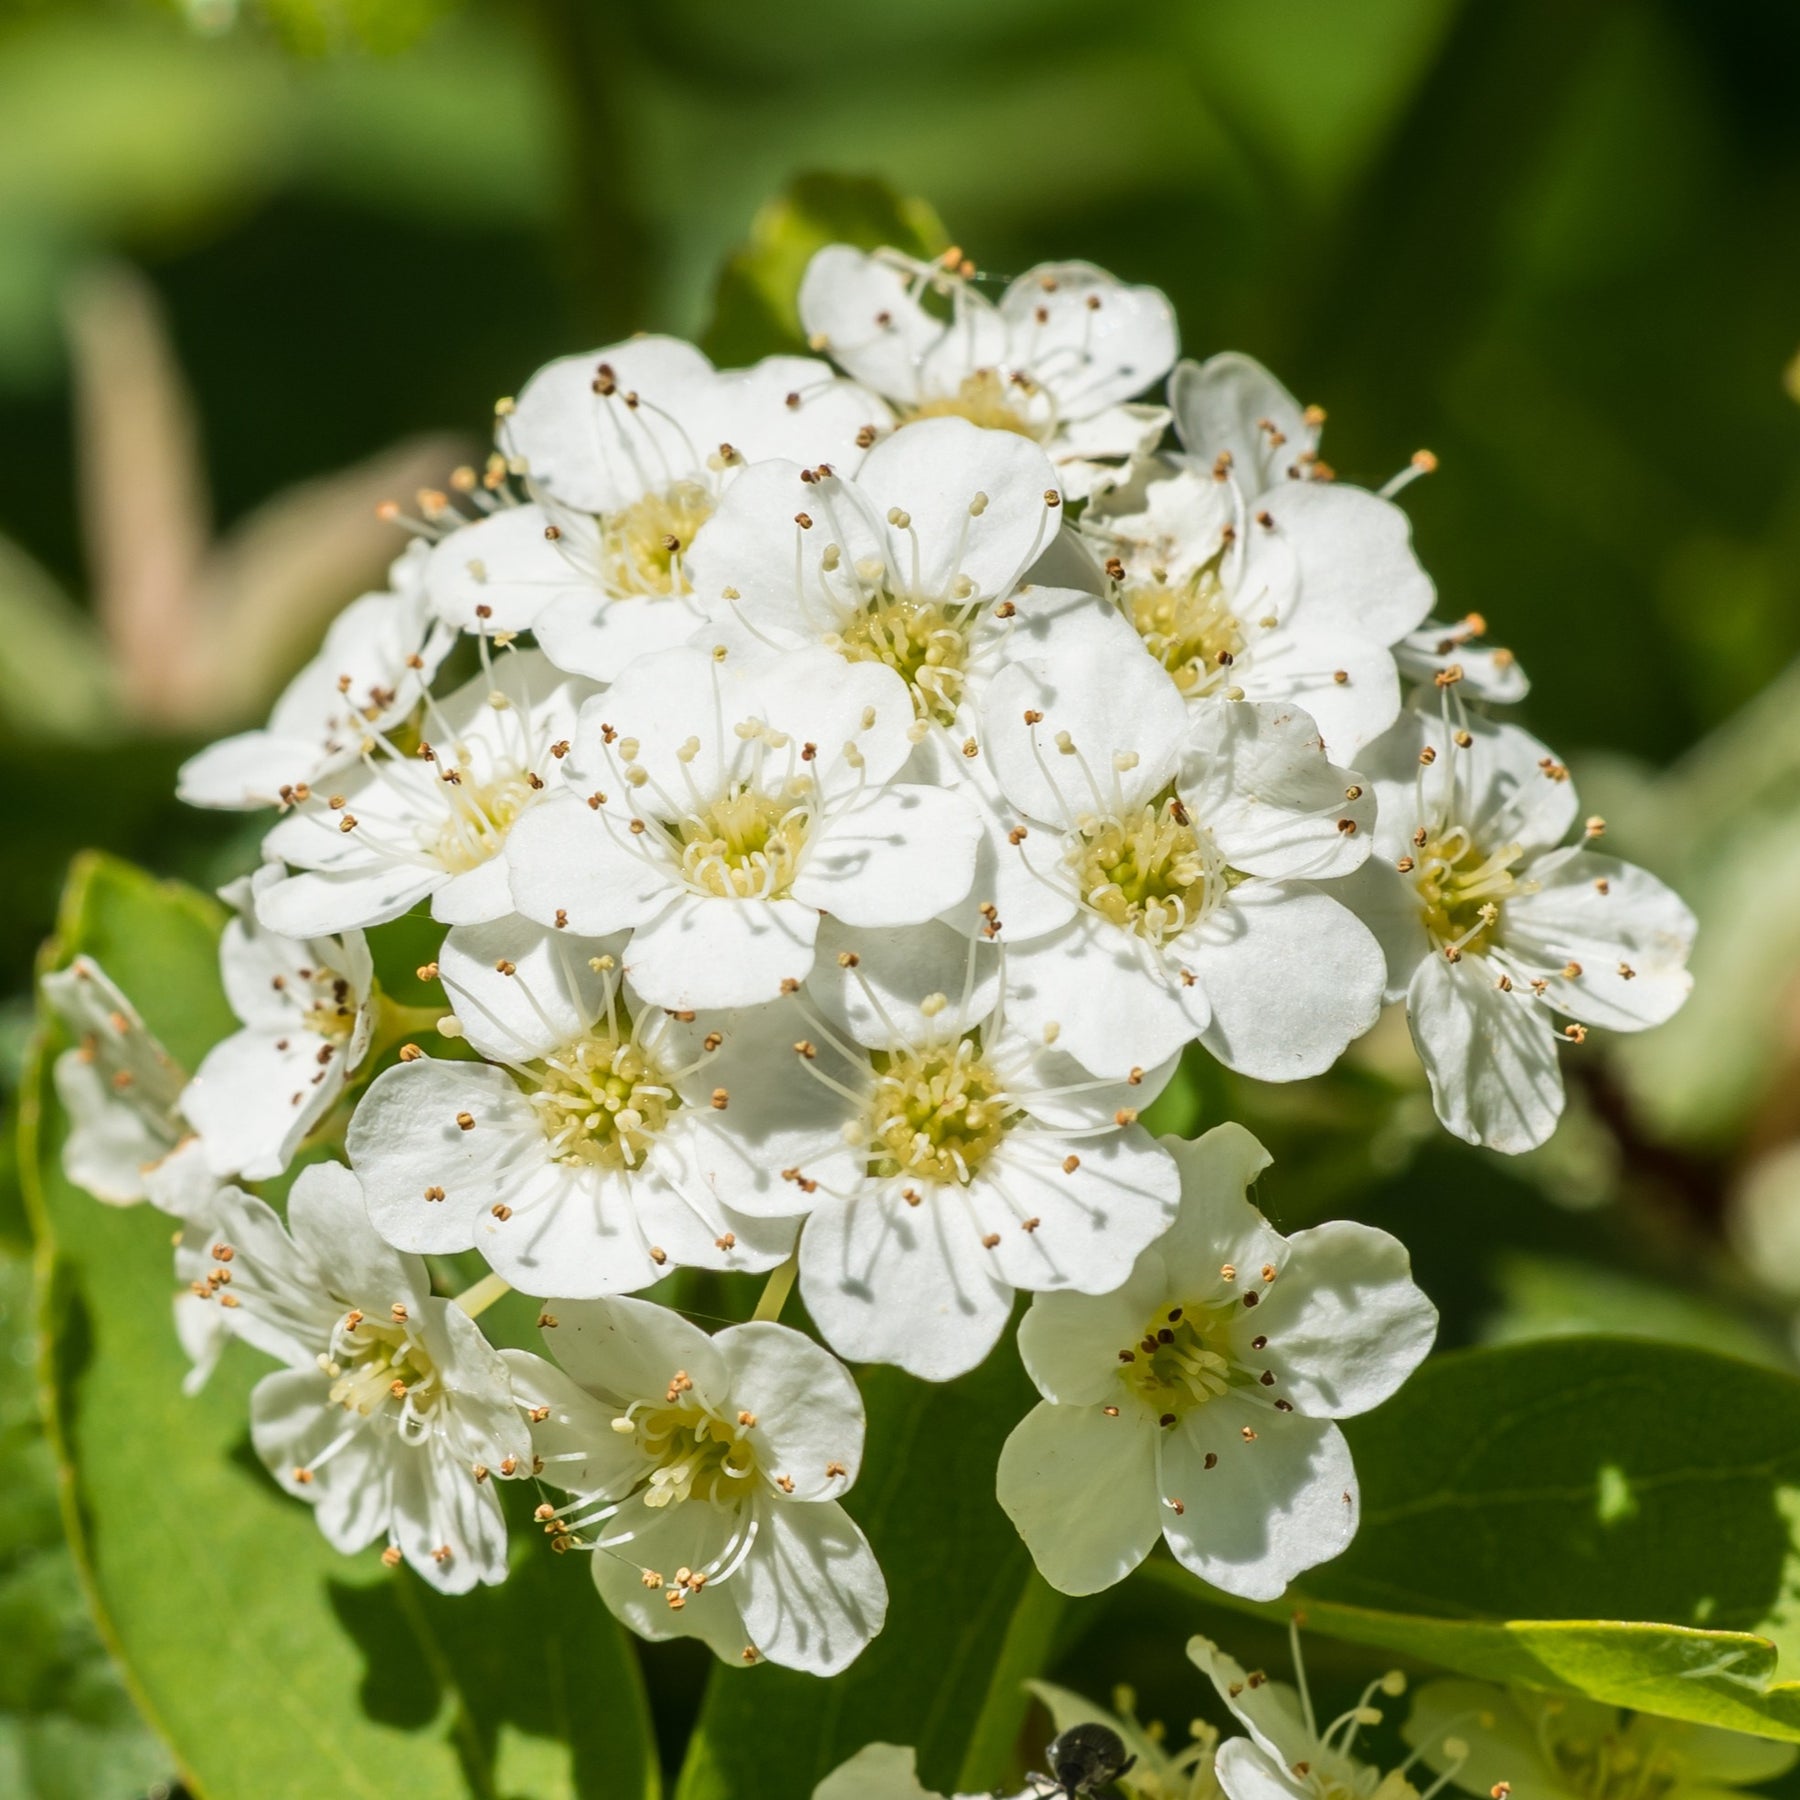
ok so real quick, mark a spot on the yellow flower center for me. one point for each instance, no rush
(937, 1114)
(695, 1455)
(1462, 889)
(985, 399)
(332, 1011)
(746, 844)
(479, 817)
(1180, 1361)
(642, 547)
(373, 1363)
(1150, 870)
(1187, 626)
(602, 1100)
(925, 643)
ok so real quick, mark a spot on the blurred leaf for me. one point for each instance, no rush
(276, 1669)
(53, 671)
(1546, 1297)
(968, 1621)
(322, 27)
(754, 309)
(1588, 1514)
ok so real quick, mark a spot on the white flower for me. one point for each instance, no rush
(626, 452)
(376, 663)
(888, 1772)
(914, 563)
(1566, 1747)
(120, 1089)
(1439, 653)
(707, 1473)
(1158, 884)
(400, 829)
(979, 1160)
(1056, 360)
(1199, 1399)
(1490, 925)
(604, 1143)
(1248, 576)
(394, 1416)
(718, 808)
(1287, 1756)
(308, 1013)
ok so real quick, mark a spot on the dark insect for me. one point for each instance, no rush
(1083, 1760)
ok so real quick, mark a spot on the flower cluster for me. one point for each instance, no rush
(845, 787)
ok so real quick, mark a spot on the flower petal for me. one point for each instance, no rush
(813, 1595)
(896, 856)
(707, 951)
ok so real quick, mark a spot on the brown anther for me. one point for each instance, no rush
(501, 1211)
(1347, 827)
(1571, 971)
(1211, 1461)
(302, 1476)
(991, 1241)
(1052, 497)
(426, 971)
(434, 1193)
(1449, 677)
(806, 1048)
(1340, 676)
(727, 1242)
(465, 1121)
(658, 1255)
(1595, 827)
(720, 1099)
(1029, 1225)
(1126, 1115)
(785, 1483)
(1405, 865)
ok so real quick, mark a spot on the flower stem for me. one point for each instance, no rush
(394, 1022)
(477, 1299)
(780, 1285)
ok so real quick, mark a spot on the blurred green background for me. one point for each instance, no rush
(262, 266)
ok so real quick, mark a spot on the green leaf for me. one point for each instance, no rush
(754, 310)
(274, 1668)
(969, 1619)
(1610, 1517)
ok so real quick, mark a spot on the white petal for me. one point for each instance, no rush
(1491, 1056)
(1607, 916)
(292, 1422)
(814, 696)
(705, 951)
(1347, 681)
(567, 857)
(1269, 1710)
(889, 1282)
(1355, 555)
(1388, 904)
(600, 635)
(882, 995)
(595, 452)
(791, 407)
(328, 1220)
(1345, 1323)
(1492, 676)
(255, 1097)
(813, 1595)
(550, 997)
(250, 769)
(581, 1451)
(111, 1141)
(1104, 992)
(808, 1412)
(1290, 975)
(1269, 1507)
(1086, 336)
(1247, 1772)
(1070, 1342)
(1221, 406)
(1217, 1225)
(319, 903)
(1081, 1490)
(875, 1772)
(1256, 775)
(896, 856)
(505, 563)
(629, 1350)
(663, 1540)
(860, 308)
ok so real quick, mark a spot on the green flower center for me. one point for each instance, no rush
(1150, 870)
(936, 1114)
(1181, 1360)
(643, 544)
(694, 1454)
(374, 1362)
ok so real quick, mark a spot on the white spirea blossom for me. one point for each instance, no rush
(119, 1087)
(1058, 359)
(706, 1474)
(625, 452)
(1566, 1747)
(1287, 1755)
(978, 1160)
(307, 1010)
(604, 1142)
(717, 808)
(376, 663)
(1198, 1400)
(1247, 574)
(394, 1416)
(1160, 882)
(432, 824)
(1492, 924)
(889, 1772)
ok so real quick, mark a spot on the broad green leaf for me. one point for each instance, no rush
(754, 310)
(274, 1668)
(1611, 1517)
(968, 1621)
